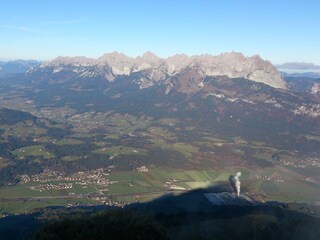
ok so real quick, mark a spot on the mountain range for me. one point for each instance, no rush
(301, 74)
(228, 93)
(158, 70)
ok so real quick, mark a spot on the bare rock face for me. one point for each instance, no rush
(235, 65)
(315, 88)
(155, 69)
(119, 63)
(74, 61)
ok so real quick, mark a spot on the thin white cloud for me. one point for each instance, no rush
(23, 29)
(66, 22)
(299, 65)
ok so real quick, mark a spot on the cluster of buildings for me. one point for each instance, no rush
(47, 175)
(172, 184)
(270, 178)
(302, 163)
(50, 186)
(49, 178)
(86, 121)
(142, 169)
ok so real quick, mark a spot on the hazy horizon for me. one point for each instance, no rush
(288, 67)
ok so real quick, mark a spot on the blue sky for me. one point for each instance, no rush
(280, 31)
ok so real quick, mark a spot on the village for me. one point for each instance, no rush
(302, 163)
(92, 185)
(95, 177)
(279, 179)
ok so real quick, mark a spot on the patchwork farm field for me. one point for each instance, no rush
(135, 186)
(60, 156)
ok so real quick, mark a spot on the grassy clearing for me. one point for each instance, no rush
(36, 150)
(293, 191)
(139, 180)
(3, 162)
(113, 136)
(169, 121)
(289, 158)
(184, 175)
(185, 148)
(27, 206)
(126, 124)
(264, 156)
(112, 151)
(80, 189)
(195, 185)
(214, 139)
(126, 188)
(313, 137)
(239, 140)
(69, 141)
(161, 143)
(161, 133)
(21, 191)
(71, 158)
(23, 129)
(82, 135)
(100, 144)
(258, 143)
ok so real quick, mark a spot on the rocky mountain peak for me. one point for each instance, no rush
(150, 57)
(119, 62)
(114, 58)
(232, 56)
(230, 64)
(75, 61)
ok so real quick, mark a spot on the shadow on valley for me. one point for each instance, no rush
(185, 216)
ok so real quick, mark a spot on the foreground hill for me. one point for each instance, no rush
(187, 216)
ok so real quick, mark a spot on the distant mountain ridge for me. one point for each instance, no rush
(154, 69)
(8, 68)
(301, 74)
